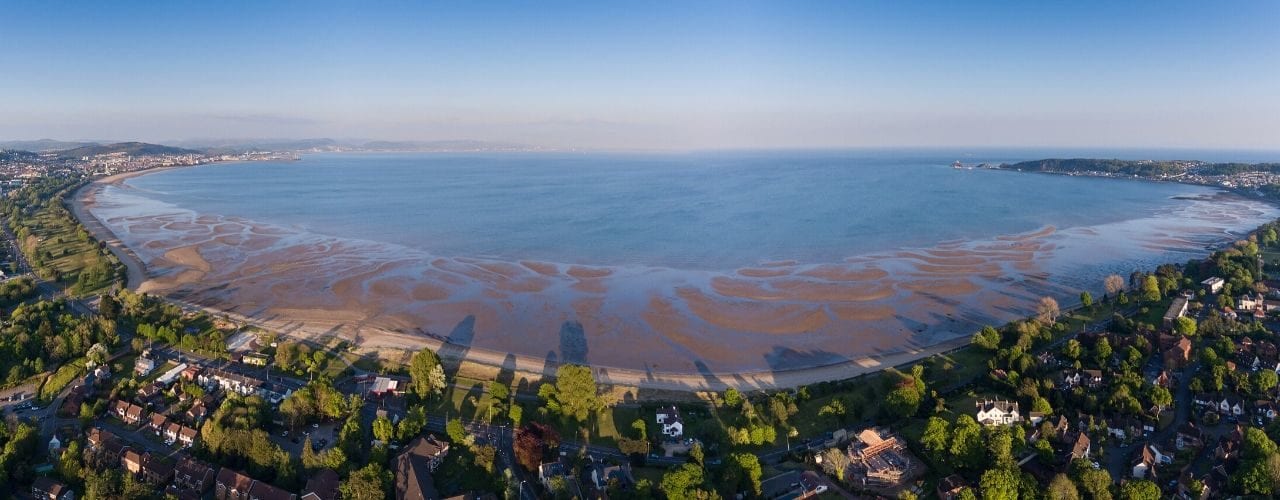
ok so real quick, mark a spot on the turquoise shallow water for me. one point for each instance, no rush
(791, 260)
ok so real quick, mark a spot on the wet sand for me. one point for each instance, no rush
(775, 324)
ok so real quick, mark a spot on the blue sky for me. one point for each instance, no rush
(650, 75)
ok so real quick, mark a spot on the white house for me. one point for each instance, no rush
(143, 365)
(998, 412)
(669, 418)
(1213, 284)
(1231, 405)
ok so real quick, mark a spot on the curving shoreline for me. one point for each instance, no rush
(924, 280)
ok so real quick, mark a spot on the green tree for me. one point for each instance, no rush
(686, 482)
(1185, 326)
(1265, 380)
(835, 462)
(1061, 488)
(575, 392)
(988, 338)
(427, 374)
(1139, 490)
(966, 443)
(1000, 484)
(1072, 349)
(1102, 351)
(1161, 398)
(743, 473)
(1000, 447)
(1096, 483)
(371, 482)
(1151, 289)
(936, 435)
(383, 429)
(1086, 299)
(640, 428)
(732, 398)
(1257, 445)
(903, 401)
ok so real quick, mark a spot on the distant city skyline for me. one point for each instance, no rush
(661, 76)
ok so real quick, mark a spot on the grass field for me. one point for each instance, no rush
(59, 380)
(62, 250)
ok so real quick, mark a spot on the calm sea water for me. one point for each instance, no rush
(686, 211)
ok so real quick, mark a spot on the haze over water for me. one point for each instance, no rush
(795, 259)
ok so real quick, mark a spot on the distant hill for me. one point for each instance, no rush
(230, 146)
(444, 146)
(131, 148)
(1140, 168)
(17, 155)
(43, 145)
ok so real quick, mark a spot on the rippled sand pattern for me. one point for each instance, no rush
(773, 316)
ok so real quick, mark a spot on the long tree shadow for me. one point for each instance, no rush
(573, 343)
(457, 345)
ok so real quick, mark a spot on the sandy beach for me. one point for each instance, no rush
(774, 324)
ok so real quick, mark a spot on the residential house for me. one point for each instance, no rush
(998, 412)
(196, 413)
(1071, 378)
(232, 485)
(1147, 460)
(187, 436)
(1092, 378)
(382, 386)
(191, 373)
(1231, 405)
(256, 359)
(414, 467)
(158, 423)
(1265, 409)
(261, 490)
(149, 391)
(1080, 448)
(242, 384)
(192, 474)
(1213, 284)
(602, 476)
(1188, 436)
(129, 413)
(48, 489)
(143, 365)
(323, 485)
(1248, 303)
(147, 468)
(1163, 380)
(1177, 309)
(1185, 490)
(171, 432)
(1179, 355)
(669, 418)
(950, 487)
(112, 448)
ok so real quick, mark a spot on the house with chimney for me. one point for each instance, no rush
(998, 412)
(1178, 356)
(414, 466)
(669, 418)
(45, 488)
(192, 475)
(147, 468)
(323, 485)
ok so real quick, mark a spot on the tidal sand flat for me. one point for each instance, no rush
(683, 272)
